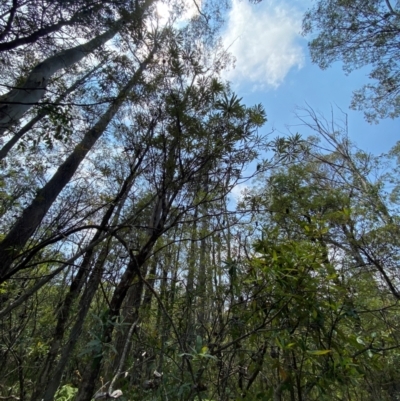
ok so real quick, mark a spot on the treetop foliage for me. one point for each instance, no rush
(126, 270)
(360, 33)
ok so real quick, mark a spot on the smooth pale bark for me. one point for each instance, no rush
(28, 126)
(15, 103)
(34, 213)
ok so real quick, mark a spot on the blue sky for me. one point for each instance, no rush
(273, 67)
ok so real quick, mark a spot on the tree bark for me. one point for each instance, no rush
(64, 309)
(34, 213)
(129, 314)
(156, 227)
(90, 377)
(43, 113)
(16, 102)
(93, 284)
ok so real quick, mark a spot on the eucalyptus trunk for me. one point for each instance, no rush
(18, 101)
(43, 113)
(32, 216)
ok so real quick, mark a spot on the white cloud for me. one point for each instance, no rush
(187, 7)
(238, 191)
(264, 39)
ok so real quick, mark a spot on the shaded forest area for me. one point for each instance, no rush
(127, 269)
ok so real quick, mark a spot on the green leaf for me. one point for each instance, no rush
(320, 352)
(199, 344)
(360, 340)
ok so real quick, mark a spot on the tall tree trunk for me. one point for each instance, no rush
(201, 290)
(135, 374)
(54, 381)
(148, 295)
(129, 315)
(16, 102)
(43, 113)
(190, 288)
(34, 213)
(64, 309)
(169, 304)
(155, 230)
(91, 375)
(162, 321)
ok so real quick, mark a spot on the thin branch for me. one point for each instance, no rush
(123, 356)
(8, 26)
(61, 104)
(200, 12)
(392, 10)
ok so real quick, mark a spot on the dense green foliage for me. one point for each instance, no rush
(128, 272)
(360, 33)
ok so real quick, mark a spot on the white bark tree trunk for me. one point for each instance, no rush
(28, 126)
(32, 216)
(16, 102)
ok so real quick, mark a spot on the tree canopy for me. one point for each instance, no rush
(128, 272)
(360, 33)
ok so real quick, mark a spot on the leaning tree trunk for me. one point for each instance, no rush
(16, 102)
(91, 375)
(64, 309)
(155, 230)
(54, 381)
(34, 213)
(43, 113)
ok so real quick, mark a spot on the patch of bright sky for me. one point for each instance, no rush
(163, 10)
(264, 41)
(273, 67)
